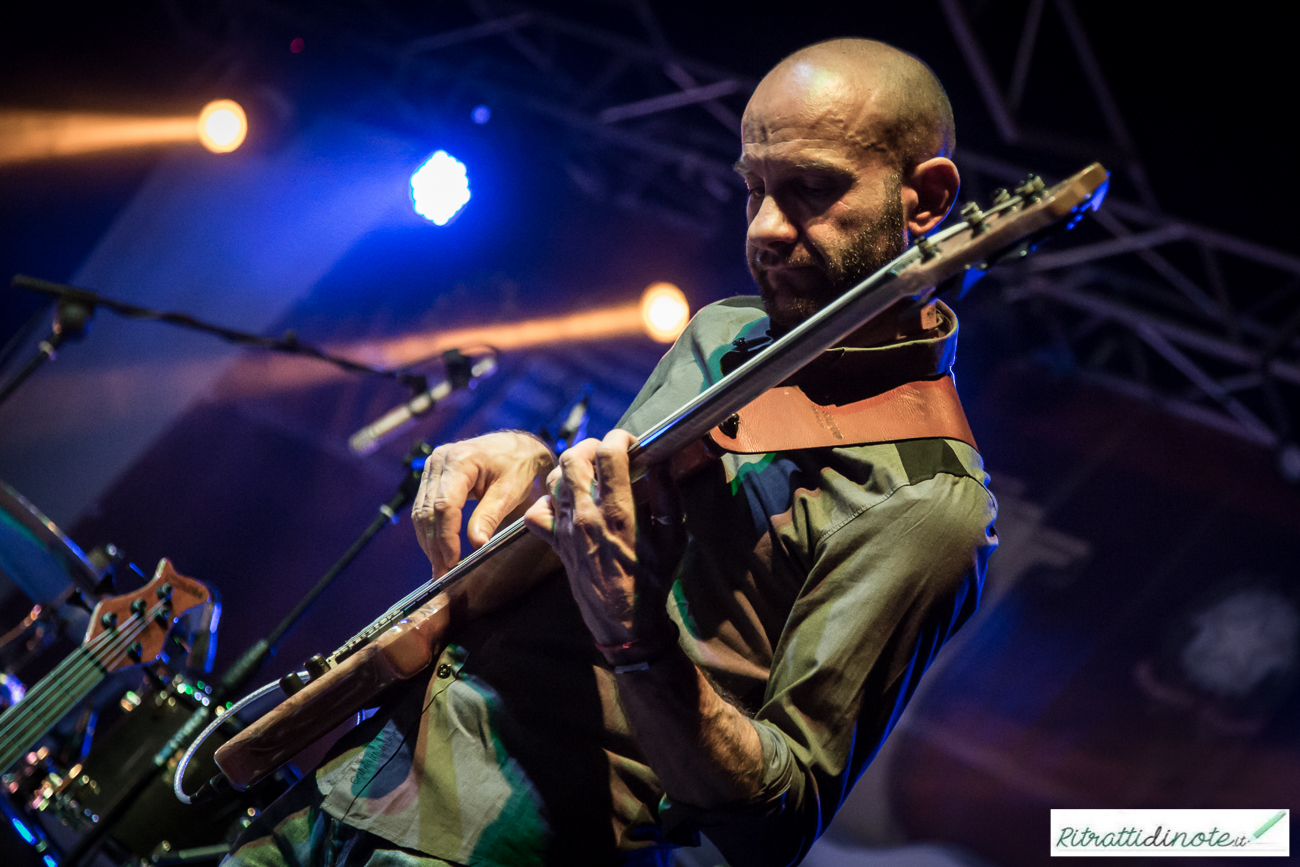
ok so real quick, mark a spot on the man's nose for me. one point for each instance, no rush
(770, 226)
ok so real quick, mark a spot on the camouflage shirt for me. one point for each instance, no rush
(816, 588)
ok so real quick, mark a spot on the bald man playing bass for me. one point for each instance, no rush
(726, 658)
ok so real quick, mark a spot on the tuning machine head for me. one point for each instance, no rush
(927, 248)
(1032, 189)
(974, 218)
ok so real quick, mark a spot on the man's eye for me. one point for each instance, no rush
(817, 188)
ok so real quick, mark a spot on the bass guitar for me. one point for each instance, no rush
(124, 631)
(403, 641)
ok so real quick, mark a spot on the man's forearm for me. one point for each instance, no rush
(705, 752)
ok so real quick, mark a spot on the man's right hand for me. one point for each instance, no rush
(504, 471)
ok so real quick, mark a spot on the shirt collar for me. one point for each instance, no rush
(846, 374)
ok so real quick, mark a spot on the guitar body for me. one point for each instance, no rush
(356, 680)
(400, 653)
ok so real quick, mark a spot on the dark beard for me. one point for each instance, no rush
(882, 242)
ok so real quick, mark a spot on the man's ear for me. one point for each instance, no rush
(929, 193)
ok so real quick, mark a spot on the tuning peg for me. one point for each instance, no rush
(974, 218)
(1031, 190)
(1000, 196)
(927, 248)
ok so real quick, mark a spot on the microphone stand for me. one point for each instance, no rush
(77, 306)
(238, 675)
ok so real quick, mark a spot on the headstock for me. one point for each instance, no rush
(129, 629)
(1013, 226)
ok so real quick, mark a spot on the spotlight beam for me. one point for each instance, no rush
(26, 136)
(605, 323)
(29, 135)
(592, 325)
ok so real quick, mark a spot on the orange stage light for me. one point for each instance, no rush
(27, 135)
(222, 126)
(664, 311)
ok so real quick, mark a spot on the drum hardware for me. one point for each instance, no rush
(75, 309)
(71, 320)
(36, 556)
(66, 806)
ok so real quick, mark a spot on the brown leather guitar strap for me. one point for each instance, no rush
(784, 419)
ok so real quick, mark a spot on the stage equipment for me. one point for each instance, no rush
(124, 631)
(36, 556)
(60, 792)
(440, 188)
(462, 372)
(570, 424)
(253, 658)
(30, 135)
(222, 126)
(61, 806)
(401, 642)
(605, 323)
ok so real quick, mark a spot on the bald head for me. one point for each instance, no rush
(844, 149)
(896, 104)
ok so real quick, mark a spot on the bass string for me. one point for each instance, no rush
(424, 592)
(83, 668)
(53, 701)
(69, 687)
(396, 611)
(55, 677)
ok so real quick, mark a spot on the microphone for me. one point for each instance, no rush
(460, 373)
(574, 424)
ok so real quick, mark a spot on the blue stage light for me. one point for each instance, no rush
(440, 188)
(481, 114)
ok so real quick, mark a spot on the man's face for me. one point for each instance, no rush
(825, 207)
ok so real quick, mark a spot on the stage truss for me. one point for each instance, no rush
(1202, 323)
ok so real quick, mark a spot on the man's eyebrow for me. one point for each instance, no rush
(823, 167)
(742, 167)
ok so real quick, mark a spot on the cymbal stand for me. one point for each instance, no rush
(71, 318)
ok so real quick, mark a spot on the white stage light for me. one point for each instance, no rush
(440, 188)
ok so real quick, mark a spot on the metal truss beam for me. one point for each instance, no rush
(1195, 319)
(1199, 321)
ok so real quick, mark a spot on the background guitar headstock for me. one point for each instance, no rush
(130, 629)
